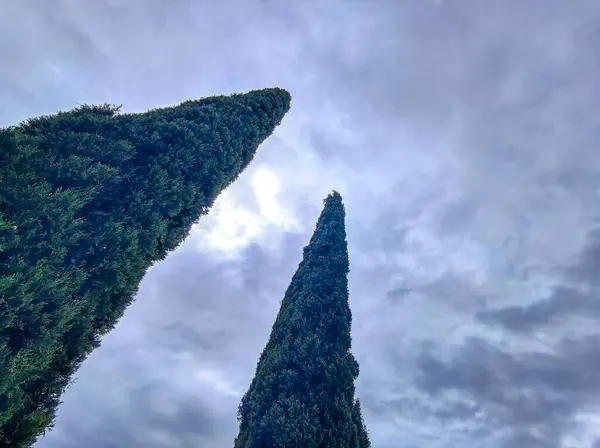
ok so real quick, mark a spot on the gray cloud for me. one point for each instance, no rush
(563, 302)
(576, 296)
(462, 136)
(536, 395)
(173, 375)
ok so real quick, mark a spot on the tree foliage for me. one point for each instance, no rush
(302, 394)
(89, 199)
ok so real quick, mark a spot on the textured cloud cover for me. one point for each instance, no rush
(463, 137)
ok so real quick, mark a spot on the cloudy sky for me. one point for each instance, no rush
(464, 138)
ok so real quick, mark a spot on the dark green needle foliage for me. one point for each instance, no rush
(89, 199)
(302, 394)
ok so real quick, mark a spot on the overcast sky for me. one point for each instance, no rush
(463, 136)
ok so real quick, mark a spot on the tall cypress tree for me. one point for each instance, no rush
(89, 199)
(302, 394)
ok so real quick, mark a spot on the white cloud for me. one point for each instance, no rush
(216, 380)
(266, 188)
(232, 225)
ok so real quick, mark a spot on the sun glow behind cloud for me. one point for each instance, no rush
(232, 225)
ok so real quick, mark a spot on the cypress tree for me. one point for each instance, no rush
(302, 394)
(89, 199)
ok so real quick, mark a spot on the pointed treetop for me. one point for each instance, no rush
(330, 228)
(334, 200)
(302, 394)
(333, 196)
(119, 192)
(273, 92)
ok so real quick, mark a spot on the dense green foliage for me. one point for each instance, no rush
(303, 392)
(89, 199)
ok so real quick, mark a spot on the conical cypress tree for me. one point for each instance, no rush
(89, 199)
(303, 392)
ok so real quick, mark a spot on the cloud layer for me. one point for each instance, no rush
(462, 136)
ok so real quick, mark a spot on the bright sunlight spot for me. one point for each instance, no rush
(232, 225)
